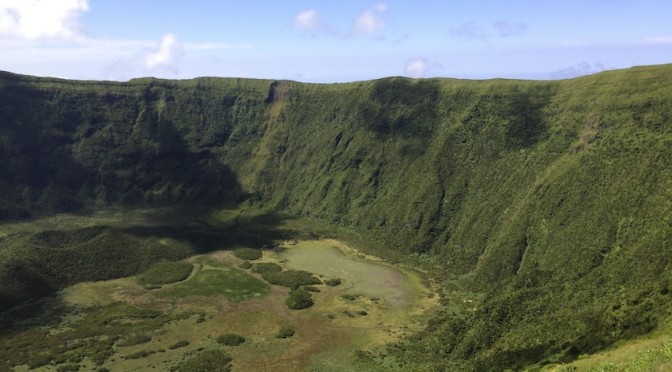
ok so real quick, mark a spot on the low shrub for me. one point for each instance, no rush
(266, 267)
(135, 340)
(39, 360)
(165, 272)
(70, 367)
(178, 344)
(141, 354)
(249, 254)
(333, 282)
(231, 339)
(207, 361)
(100, 357)
(245, 265)
(285, 332)
(299, 299)
(350, 297)
(311, 288)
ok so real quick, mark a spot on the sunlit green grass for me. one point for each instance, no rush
(234, 284)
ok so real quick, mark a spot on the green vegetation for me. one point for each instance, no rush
(248, 254)
(231, 283)
(141, 354)
(285, 332)
(165, 273)
(207, 361)
(650, 359)
(299, 299)
(231, 339)
(34, 264)
(291, 278)
(549, 201)
(245, 265)
(135, 340)
(333, 282)
(71, 367)
(210, 261)
(179, 344)
(92, 336)
(266, 267)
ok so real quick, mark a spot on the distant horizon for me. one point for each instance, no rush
(348, 41)
(324, 83)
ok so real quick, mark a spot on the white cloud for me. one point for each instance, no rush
(41, 19)
(371, 21)
(507, 28)
(421, 67)
(581, 69)
(469, 31)
(416, 67)
(156, 60)
(167, 55)
(307, 20)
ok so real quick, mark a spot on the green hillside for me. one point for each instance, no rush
(552, 201)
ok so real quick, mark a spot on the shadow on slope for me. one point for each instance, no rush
(35, 265)
(69, 152)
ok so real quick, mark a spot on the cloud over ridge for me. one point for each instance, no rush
(416, 67)
(167, 55)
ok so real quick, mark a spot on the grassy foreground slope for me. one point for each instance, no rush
(553, 199)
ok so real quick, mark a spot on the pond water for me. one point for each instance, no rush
(359, 276)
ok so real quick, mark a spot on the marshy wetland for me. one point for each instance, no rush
(175, 311)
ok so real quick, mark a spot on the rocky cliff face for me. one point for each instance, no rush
(527, 186)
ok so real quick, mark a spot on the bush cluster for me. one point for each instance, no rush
(207, 361)
(248, 254)
(231, 339)
(266, 267)
(135, 340)
(291, 278)
(333, 282)
(299, 299)
(165, 272)
(285, 332)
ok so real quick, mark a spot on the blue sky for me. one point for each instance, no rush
(331, 41)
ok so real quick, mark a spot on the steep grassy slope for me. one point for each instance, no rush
(554, 199)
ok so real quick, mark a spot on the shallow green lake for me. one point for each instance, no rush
(359, 276)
